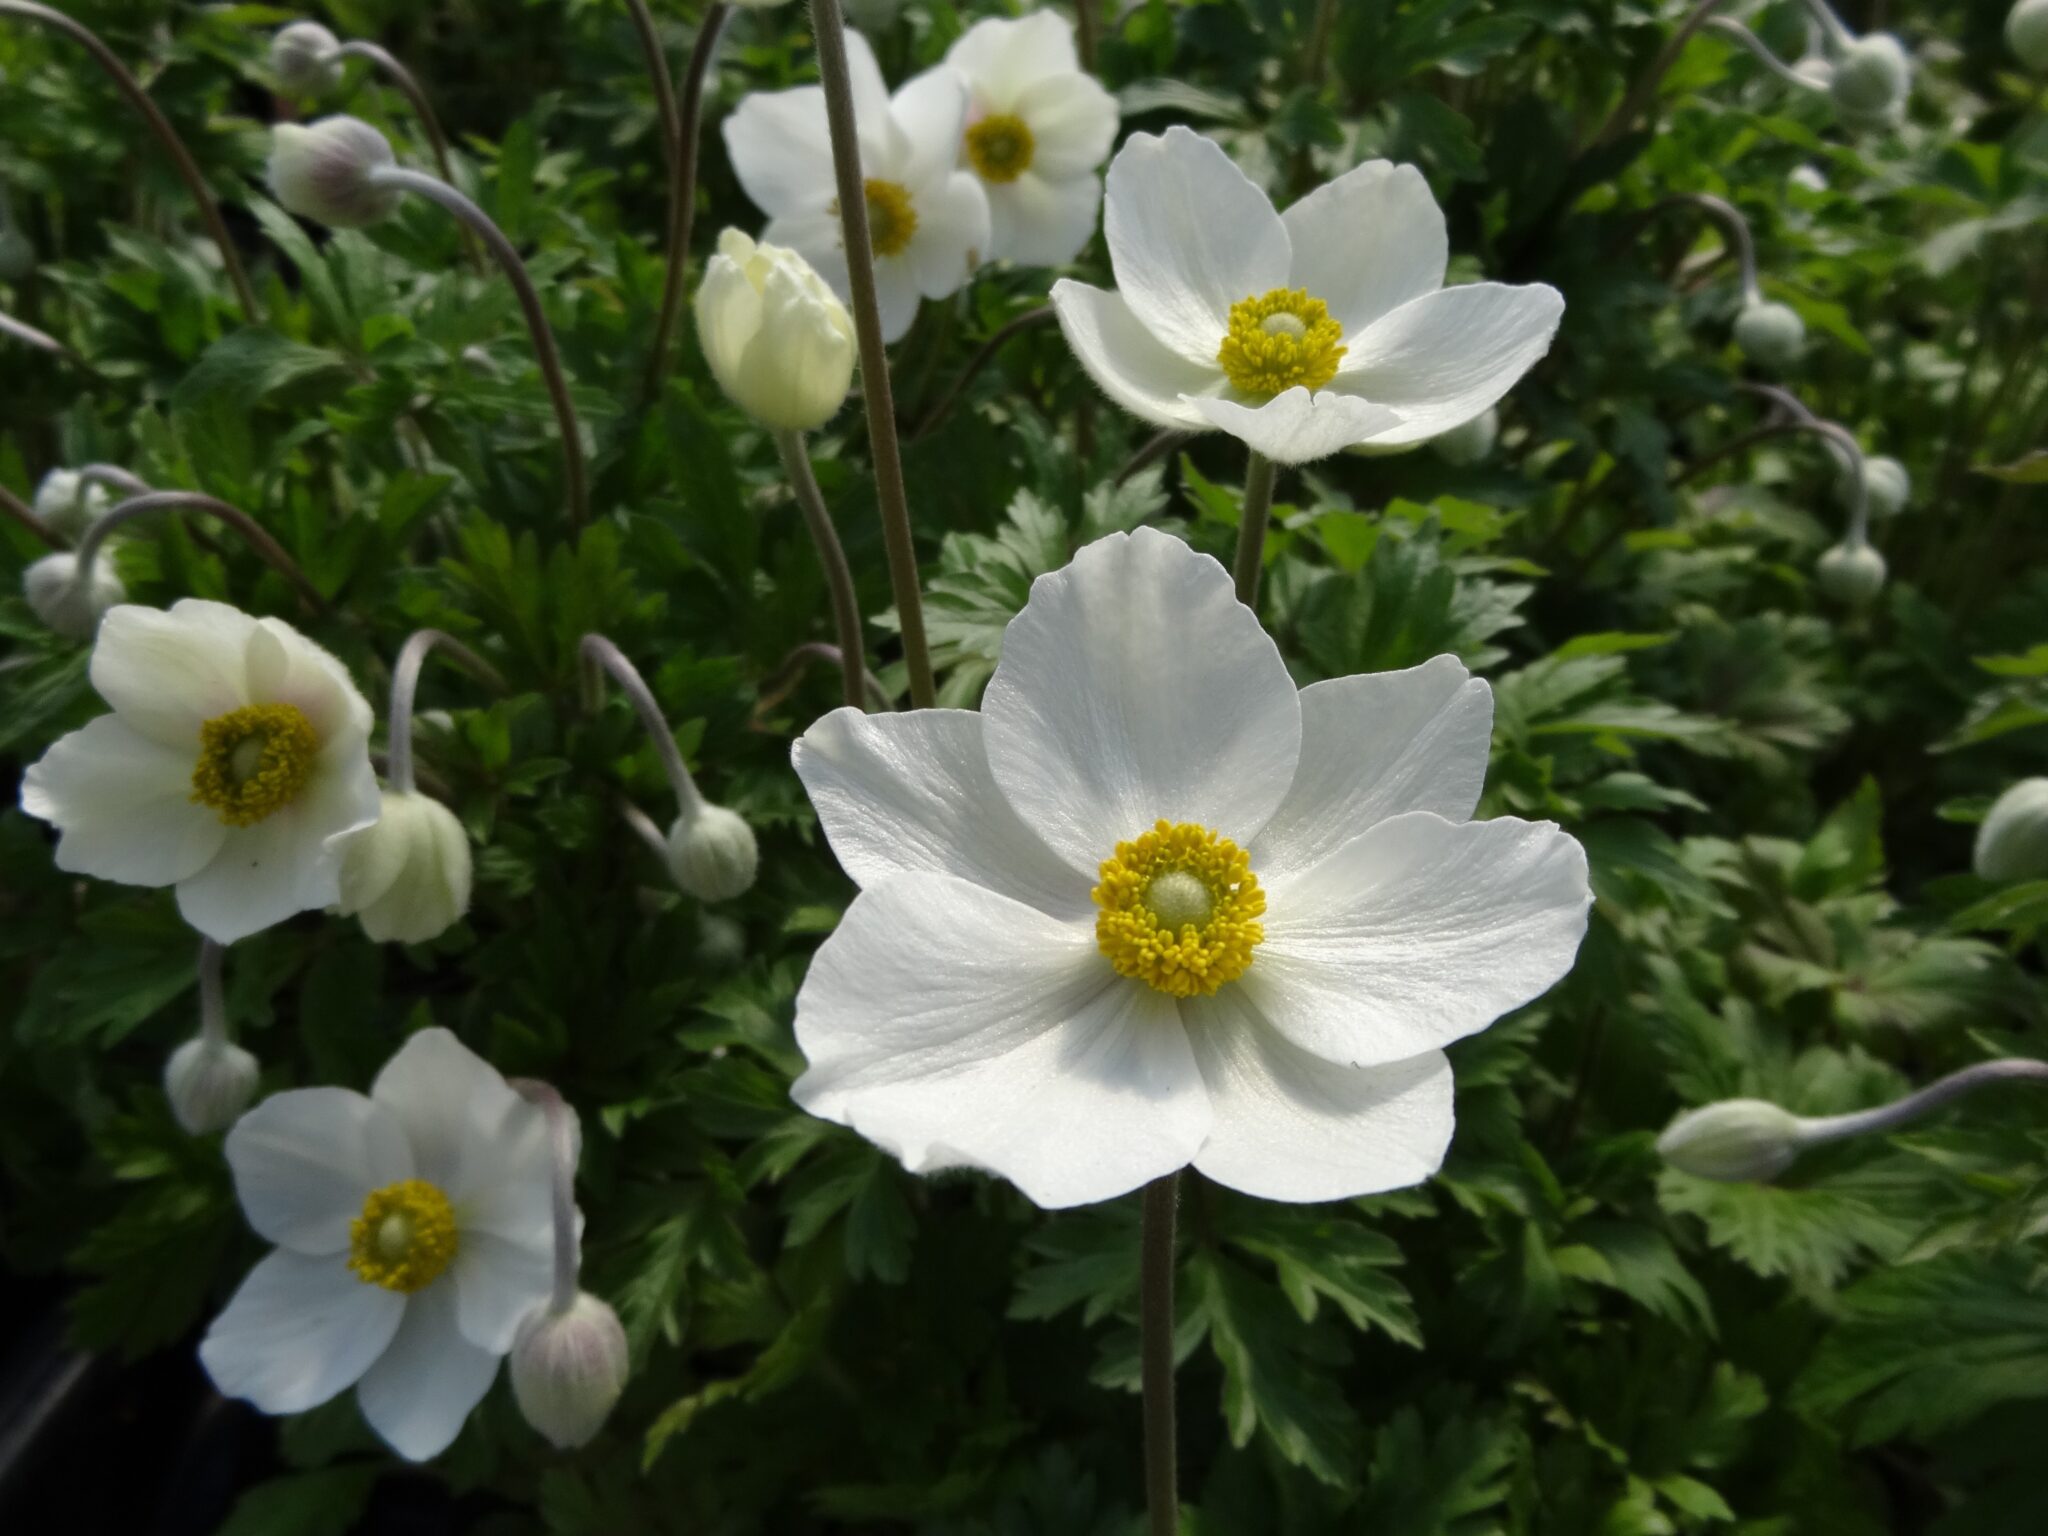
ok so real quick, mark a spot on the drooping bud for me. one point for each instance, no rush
(712, 853)
(209, 1082)
(406, 876)
(778, 340)
(2026, 33)
(68, 503)
(1734, 1141)
(72, 608)
(304, 57)
(1770, 334)
(1886, 486)
(1470, 443)
(2012, 842)
(568, 1369)
(1871, 78)
(1852, 573)
(323, 171)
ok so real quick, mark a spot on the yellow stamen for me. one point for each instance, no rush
(254, 761)
(1000, 148)
(1180, 909)
(892, 221)
(404, 1238)
(1279, 340)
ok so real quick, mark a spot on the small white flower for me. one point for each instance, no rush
(1301, 333)
(778, 340)
(1734, 1141)
(1770, 334)
(928, 221)
(2012, 842)
(72, 608)
(209, 1082)
(323, 172)
(406, 876)
(712, 854)
(1037, 128)
(237, 754)
(304, 58)
(1153, 906)
(568, 1369)
(68, 503)
(414, 1232)
(2026, 33)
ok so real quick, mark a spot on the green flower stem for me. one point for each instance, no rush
(22, 513)
(1733, 225)
(832, 556)
(416, 97)
(405, 682)
(684, 129)
(1029, 320)
(1889, 1117)
(42, 341)
(599, 652)
(1155, 1350)
(253, 534)
(213, 1008)
(1735, 31)
(1256, 512)
(829, 25)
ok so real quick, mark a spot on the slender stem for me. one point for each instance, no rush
(1830, 23)
(829, 26)
(416, 97)
(181, 158)
(1154, 448)
(42, 341)
(1644, 91)
(1889, 1117)
(1256, 511)
(1029, 320)
(152, 502)
(550, 360)
(601, 652)
(1839, 438)
(1155, 1351)
(644, 827)
(1315, 63)
(1733, 225)
(783, 680)
(405, 682)
(22, 513)
(1087, 26)
(116, 478)
(649, 38)
(213, 1008)
(1735, 31)
(684, 131)
(831, 555)
(567, 1136)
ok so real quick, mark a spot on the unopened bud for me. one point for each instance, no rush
(1771, 335)
(712, 853)
(1871, 78)
(324, 171)
(304, 57)
(406, 876)
(2012, 842)
(568, 1369)
(778, 340)
(209, 1082)
(67, 503)
(72, 608)
(1851, 574)
(1734, 1141)
(2026, 33)
(1471, 442)
(1886, 486)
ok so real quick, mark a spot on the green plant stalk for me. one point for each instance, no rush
(253, 533)
(21, 512)
(1255, 512)
(832, 556)
(685, 130)
(405, 682)
(601, 656)
(1155, 1353)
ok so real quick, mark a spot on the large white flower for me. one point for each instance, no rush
(1301, 333)
(1037, 127)
(414, 1231)
(237, 754)
(1151, 906)
(927, 219)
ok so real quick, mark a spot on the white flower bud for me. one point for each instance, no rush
(1470, 443)
(68, 503)
(1872, 77)
(2012, 842)
(1771, 335)
(712, 854)
(778, 340)
(1735, 1141)
(568, 1369)
(1851, 574)
(209, 1083)
(2026, 33)
(407, 874)
(71, 607)
(1886, 486)
(1814, 69)
(303, 57)
(17, 254)
(322, 172)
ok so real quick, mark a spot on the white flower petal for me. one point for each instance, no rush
(1189, 236)
(297, 1331)
(1368, 242)
(472, 1135)
(1073, 123)
(1373, 746)
(423, 1387)
(1292, 1126)
(1295, 428)
(952, 236)
(304, 1160)
(931, 109)
(1443, 358)
(122, 804)
(1001, 57)
(781, 151)
(287, 668)
(817, 237)
(1135, 686)
(1124, 360)
(168, 673)
(912, 792)
(497, 1282)
(264, 874)
(956, 1027)
(884, 147)
(1418, 932)
(896, 295)
(1039, 223)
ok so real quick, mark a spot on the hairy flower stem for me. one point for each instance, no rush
(550, 360)
(683, 128)
(213, 1008)
(149, 503)
(416, 97)
(405, 682)
(1255, 513)
(21, 512)
(602, 653)
(1733, 225)
(566, 1138)
(829, 26)
(1735, 31)
(832, 556)
(1155, 1351)
(181, 158)
(1837, 437)
(1889, 1117)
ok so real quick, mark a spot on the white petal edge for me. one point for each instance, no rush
(298, 1331)
(781, 150)
(166, 673)
(1124, 360)
(467, 1127)
(931, 111)
(1295, 427)
(1368, 242)
(262, 875)
(422, 1389)
(122, 805)
(1443, 358)
(303, 1160)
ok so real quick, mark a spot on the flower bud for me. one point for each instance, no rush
(1770, 335)
(304, 58)
(1815, 69)
(68, 503)
(1871, 78)
(209, 1082)
(1851, 574)
(712, 854)
(2012, 842)
(2026, 33)
(323, 171)
(568, 1369)
(1886, 486)
(1735, 1141)
(778, 340)
(72, 608)
(407, 874)
(1470, 443)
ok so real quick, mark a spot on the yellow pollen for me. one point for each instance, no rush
(1280, 340)
(1180, 909)
(404, 1238)
(892, 221)
(1000, 148)
(254, 761)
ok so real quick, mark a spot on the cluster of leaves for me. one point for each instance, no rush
(1554, 1336)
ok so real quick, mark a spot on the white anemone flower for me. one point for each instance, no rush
(236, 757)
(927, 219)
(414, 1232)
(1151, 906)
(1301, 333)
(1037, 128)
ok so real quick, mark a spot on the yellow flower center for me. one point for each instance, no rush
(254, 761)
(404, 1238)
(1180, 909)
(891, 220)
(1277, 341)
(1000, 147)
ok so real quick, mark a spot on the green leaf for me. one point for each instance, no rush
(324, 1503)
